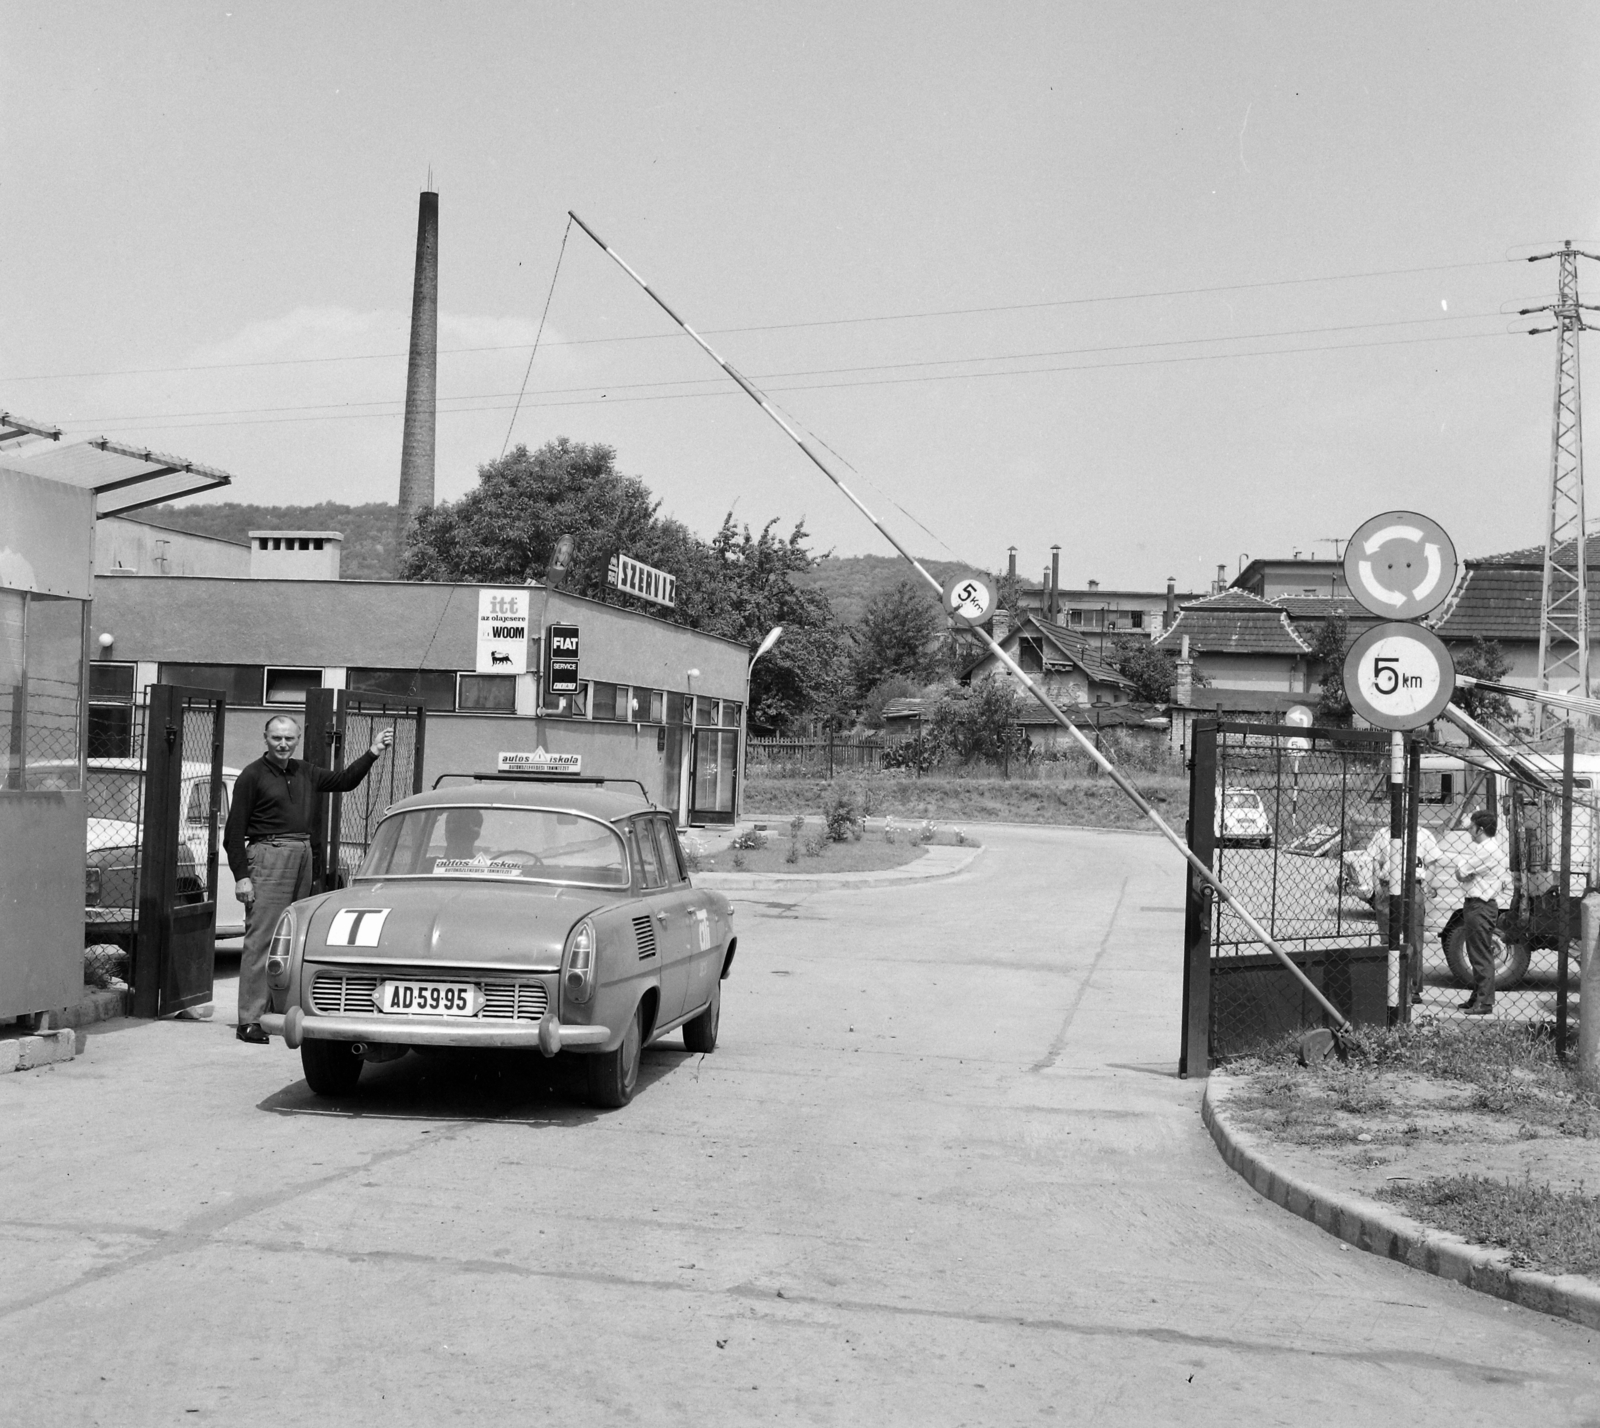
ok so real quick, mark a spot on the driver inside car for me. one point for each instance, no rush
(461, 829)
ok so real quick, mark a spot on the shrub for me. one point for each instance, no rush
(816, 843)
(841, 813)
(738, 859)
(752, 839)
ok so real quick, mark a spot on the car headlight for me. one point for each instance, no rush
(578, 981)
(91, 886)
(280, 952)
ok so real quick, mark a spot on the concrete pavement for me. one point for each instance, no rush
(939, 1172)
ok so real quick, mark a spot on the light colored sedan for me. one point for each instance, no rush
(505, 913)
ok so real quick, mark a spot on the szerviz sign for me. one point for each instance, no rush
(636, 578)
(561, 659)
(502, 632)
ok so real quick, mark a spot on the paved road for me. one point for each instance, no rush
(940, 1172)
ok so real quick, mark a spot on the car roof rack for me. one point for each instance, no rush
(523, 776)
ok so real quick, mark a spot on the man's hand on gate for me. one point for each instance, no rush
(245, 890)
(382, 742)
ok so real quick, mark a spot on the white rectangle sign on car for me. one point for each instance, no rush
(429, 998)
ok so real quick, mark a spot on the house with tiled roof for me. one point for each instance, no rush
(1238, 641)
(1498, 597)
(1065, 664)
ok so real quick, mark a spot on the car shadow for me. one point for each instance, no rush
(515, 1087)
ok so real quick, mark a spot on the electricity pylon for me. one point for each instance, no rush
(1564, 600)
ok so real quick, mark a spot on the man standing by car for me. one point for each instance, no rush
(268, 842)
(1481, 870)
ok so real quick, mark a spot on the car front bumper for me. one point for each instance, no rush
(548, 1035)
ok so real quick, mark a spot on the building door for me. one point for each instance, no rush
(712, 797)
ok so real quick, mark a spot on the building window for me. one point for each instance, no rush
(730, 714)
(436, 688)
(289, 686)
(1075, 619)
(1030, 653)
(705, 711)
(41, 688)
(609, 701)
(111, 710)
(678, 708)
(487, 694)
(657, 712)
(241, 683)
(567, 706)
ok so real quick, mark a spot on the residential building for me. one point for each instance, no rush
(1240, 642)
(1067, 665)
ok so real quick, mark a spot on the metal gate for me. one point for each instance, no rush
(1275, 810)
(173, 924)
(340, 726)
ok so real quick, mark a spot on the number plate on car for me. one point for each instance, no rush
(429, 998)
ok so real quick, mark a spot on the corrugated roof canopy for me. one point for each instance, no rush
(14, 428)
(123, 478)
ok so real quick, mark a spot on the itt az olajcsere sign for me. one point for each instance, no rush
(502, 632)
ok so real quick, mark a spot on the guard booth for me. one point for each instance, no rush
(50, 495)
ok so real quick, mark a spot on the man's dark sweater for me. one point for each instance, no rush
(269, 801)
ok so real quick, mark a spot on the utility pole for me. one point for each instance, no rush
(1564, 600)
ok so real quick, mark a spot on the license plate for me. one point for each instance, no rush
(429, 998)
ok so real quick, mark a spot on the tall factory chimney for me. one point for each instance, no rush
(1055, 581)
(416, 447)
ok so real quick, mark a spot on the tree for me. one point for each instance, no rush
(980, 722)
(739, 585)
(1152, 671)
(1329, 646)
(898, 635)
(1483, 659)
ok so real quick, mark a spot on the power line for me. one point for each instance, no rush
(160, 424)
(841, 371)
(537, 335)
(773, 327)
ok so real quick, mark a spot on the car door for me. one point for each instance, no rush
(693, 909)
(662, 904)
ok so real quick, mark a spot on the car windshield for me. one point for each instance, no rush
(527, 844)
(114, 793)
(1244, 798)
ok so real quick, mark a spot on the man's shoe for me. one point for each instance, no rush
(252, 1032)
(1468, 1005)
(1478, 1011)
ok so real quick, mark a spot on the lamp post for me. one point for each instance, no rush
(767, 642)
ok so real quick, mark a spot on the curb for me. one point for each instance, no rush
(823, 882)
(98, 1005)
(1378, 1230)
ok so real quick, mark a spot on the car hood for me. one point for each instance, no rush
(112, 833)
(449, 922)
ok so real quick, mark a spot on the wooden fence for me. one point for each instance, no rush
(824, 756)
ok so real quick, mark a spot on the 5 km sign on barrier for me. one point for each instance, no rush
(1399, 676)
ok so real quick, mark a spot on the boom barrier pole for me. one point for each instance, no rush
(1133, 795)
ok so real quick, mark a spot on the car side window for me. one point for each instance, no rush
(649, 860)
(671, 853)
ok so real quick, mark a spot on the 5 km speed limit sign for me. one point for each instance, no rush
(1399, 676)
(969, 600)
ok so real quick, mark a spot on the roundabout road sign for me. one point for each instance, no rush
(1400, 565)
(1399, 676)
(969, 599)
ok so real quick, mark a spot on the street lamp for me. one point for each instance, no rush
(768, 641)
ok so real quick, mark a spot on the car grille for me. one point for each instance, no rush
(334, 992)
(644, 933)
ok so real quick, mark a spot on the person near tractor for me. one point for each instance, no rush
(1380, 850)
(268, 842)
(1481, 871)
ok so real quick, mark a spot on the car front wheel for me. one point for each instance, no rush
(614, 1074)
(332, 1067)
(701, 1033)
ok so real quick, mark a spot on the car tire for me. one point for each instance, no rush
(1510, 959)
(332, 1068)
(613, 1075)
(700, 1034)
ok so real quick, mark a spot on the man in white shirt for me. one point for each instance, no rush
(1481, 870)
(1380, 854)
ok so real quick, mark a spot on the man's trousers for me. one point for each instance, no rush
(280, 872)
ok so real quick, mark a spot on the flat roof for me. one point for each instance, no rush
(123, 478)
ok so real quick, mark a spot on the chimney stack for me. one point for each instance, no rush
(1011, 564)
(1055, 581)
(1172, 602)
(1222, 579)
(1183, 686)
(416, 447)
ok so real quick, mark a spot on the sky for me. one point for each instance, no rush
(1171, 286)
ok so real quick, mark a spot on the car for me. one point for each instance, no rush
(114, 796)
(505, 912)
(1242, 819)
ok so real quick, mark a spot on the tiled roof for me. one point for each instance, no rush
(1320, 607)
(1067, 647)
(1032, 714)
(1501, 602)
(903, 708)
(1213, 700)
(1233, 622)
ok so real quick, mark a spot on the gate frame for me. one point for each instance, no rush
(155, 991)
(327, 711)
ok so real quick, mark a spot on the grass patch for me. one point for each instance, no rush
(1078, 800)
(1552, 1230)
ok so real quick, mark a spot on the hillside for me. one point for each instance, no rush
(368, 530)
(850, 582)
